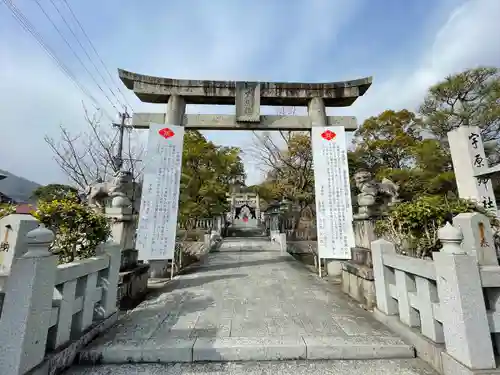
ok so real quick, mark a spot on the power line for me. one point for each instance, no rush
(97, 53)
(86, 53)
(74, 53)
(28, 27)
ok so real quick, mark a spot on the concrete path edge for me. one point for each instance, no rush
(247, 349)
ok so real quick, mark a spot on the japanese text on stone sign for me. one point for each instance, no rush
(487, 198)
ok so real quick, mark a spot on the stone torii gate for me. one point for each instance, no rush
(247, 98)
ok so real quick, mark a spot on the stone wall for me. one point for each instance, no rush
(357, 278)
(133, 286)
(133, 281)
(300, 225)
(302, 247)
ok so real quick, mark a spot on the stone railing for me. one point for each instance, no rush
(303, 232)
(448, 307)
(50, 311)
(204, 223)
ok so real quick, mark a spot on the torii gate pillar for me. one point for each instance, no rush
(176, 108)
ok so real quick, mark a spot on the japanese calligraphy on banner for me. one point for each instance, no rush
(333, 192)
(469, 161)
(160, 192)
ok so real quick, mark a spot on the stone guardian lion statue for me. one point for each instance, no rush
(374, 197)
(97, 193)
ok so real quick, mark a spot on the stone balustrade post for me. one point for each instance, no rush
(219, 224)
(465, 324)
(110, 279)
(478, 237)
(282, 239)
(13, 231)
(206, 240)
(27, 307)
(383, 277)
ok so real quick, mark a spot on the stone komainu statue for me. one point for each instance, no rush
(374, 197)
(122, 184)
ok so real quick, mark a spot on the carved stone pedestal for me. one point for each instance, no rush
(133, 282)
(357, 273)
(123, 226)
(364, 232)
(357, 278)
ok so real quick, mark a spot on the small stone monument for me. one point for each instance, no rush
(132, 286)
(13, 231)
(374, 200)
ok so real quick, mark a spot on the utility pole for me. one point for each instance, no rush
(121, 128)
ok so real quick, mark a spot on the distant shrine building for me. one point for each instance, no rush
(244, 204)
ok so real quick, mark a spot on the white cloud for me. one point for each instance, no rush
(468, 38)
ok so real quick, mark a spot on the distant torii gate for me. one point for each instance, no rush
(334, 219)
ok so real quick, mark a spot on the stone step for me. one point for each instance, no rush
(373, 367)
(244, 240)
(219, 349)
(245, 233)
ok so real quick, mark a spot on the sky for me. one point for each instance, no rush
(406, 46)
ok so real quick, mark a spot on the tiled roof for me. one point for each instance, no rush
(25, 209)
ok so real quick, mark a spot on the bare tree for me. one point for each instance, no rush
(89, 156)
(270, 148)
(286, 159)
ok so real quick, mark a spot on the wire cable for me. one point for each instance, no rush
(86, 53)
(28, 27)
(97, 53)
(74, 53)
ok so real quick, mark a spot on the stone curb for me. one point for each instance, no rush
(160, 283)
(247, 349)
(425, 349)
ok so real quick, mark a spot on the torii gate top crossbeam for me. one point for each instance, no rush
(151, 89)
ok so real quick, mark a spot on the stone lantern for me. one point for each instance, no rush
(283, 208)
(274, 211)
(237, 184)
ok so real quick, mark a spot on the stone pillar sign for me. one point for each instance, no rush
(13, 231)
(333, 193)
(471, 166)
(160, 193)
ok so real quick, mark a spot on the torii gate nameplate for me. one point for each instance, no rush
(247, 102)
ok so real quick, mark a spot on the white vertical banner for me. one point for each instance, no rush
(469, 160)
(160, 192)
(333, 192)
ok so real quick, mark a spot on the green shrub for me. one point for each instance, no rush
(412, 226)
(77, 227)
(6, 209)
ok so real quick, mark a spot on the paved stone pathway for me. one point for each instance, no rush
(247, 302)
(375, 367)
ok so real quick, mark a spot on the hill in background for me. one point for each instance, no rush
(17, 188)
